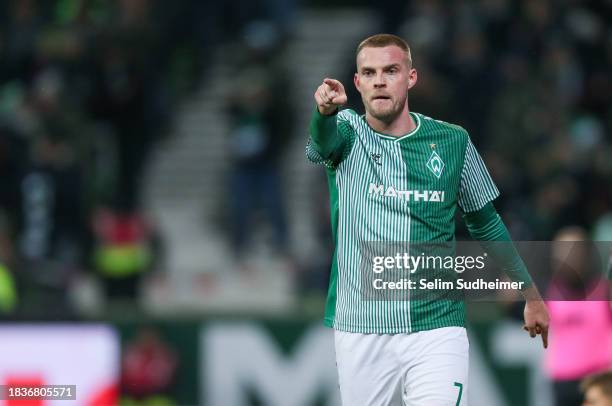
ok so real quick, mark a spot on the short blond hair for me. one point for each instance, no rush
(602, 380)
(385, 40)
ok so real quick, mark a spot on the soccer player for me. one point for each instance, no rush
(396, 175)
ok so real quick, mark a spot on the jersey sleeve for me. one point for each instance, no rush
(486, 226)
(476, 188)
(331, 138)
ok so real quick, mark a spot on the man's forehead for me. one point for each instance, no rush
(381, 56)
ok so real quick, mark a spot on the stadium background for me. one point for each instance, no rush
(157, 214)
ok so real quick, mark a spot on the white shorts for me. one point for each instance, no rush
(426, 368)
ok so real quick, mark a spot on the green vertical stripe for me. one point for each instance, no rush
(330, 306)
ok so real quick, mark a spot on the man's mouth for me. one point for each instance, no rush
(381, 97)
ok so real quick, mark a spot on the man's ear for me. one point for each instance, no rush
(412, 78)
(356, 82)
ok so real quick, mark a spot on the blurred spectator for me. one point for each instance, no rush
(597, 389)
(149, 368)
(122, 97)
(580, 316)
(51, 207)
(125, 249)
(50, 240)
(260, 114)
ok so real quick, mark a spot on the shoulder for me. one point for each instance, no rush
(349, 122)
(443, 127)
(347, 115)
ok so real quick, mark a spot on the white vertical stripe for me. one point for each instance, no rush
(477, 187)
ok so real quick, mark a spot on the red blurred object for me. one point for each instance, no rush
(106, 397)
(32, 381)
(148, 366)
(120, 228)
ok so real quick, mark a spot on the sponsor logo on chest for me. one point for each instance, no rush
(408, 195)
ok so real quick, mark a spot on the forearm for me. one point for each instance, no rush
(324, 134)
(487, 227)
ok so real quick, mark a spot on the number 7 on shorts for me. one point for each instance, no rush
(460, 385)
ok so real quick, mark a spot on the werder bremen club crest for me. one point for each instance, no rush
(435, 164)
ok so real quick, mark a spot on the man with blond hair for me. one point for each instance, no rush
(398, 176)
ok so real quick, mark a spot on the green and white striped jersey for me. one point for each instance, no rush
(395, 189)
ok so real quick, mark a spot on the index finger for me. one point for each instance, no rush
(333, 83)
(545, 336)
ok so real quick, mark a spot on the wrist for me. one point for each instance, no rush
(327, 111)
(531, 294)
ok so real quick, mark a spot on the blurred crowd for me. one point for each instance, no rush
(86, 89)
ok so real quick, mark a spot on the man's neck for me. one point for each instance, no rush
(397, 127)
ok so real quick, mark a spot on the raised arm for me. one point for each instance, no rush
(326, 140)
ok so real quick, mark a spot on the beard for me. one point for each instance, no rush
(384, 110)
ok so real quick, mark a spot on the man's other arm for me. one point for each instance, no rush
(486, 226)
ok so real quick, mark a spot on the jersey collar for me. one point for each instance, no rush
(416, 118)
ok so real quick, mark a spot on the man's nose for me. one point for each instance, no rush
(380, 81)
